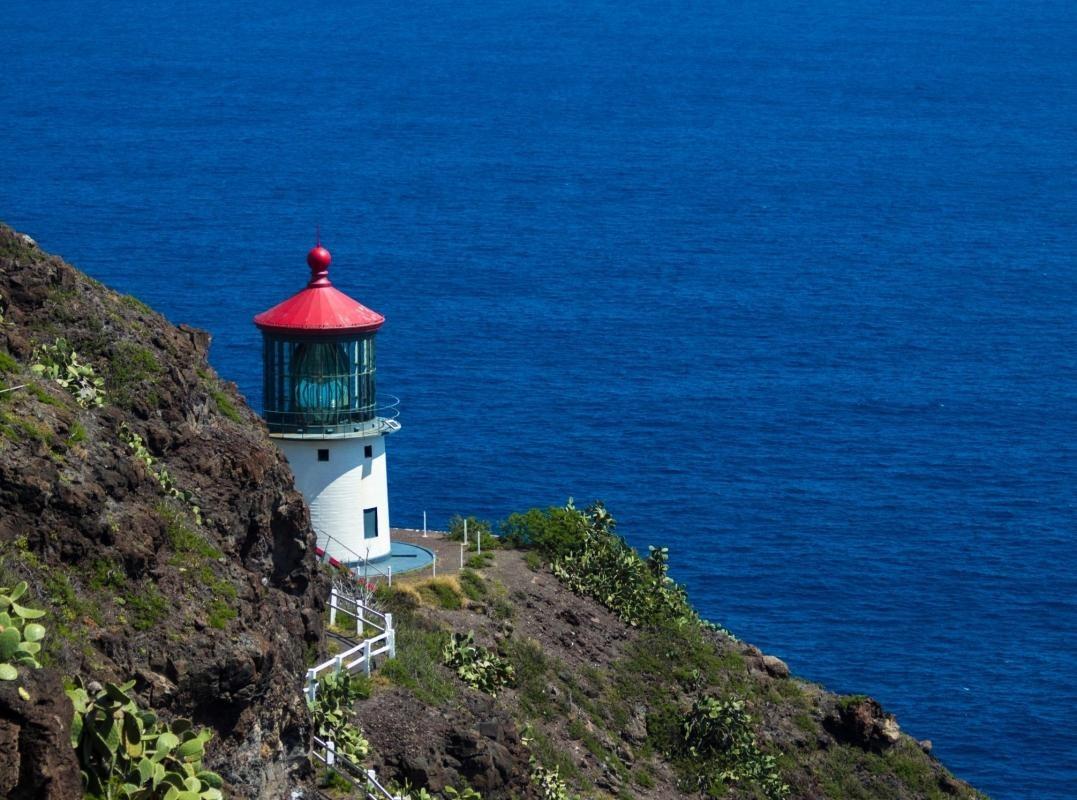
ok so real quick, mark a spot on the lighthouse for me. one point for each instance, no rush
(320, 403)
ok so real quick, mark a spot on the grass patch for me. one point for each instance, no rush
(533, 560)
(146, 608)
(130, 366)
(133, 302)
(480, 560)
(7, 362)
(417, 665)
(107, 575)
(443, 593)
(76, 434)
(225, 405)
(472, 585)
(220, 613)
(184, 540)
(533, 677)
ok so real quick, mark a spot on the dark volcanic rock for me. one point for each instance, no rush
(862, 722)
(212, 617)
(36, 759)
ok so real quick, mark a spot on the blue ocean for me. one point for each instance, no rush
(791, 286)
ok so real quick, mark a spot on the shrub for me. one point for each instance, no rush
(554, 532)
(472, 584)
(603, 566)
(480, 560)
(417, 665)
(442, 592)
(59, 362)
(478, 667)
(475, 528)
(126, 752)
(20, 639)
(716, 737)
(332, 713)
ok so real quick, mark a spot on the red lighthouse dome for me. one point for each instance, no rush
(319, 308)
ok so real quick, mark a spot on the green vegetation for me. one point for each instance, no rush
(161, 474)
(130, 366)
(76, 434)
(184, 541)
(553, 532)
(8, 362)
(133, 302)
(146, 607)
(476, 528)
(478, 667)
(549, 782)
(225, 405)
(472, 585)
(332, 713)
(480, 560)
(20, 639)
(127, 753)
(59, 362)
(417, 665)
(718, 746)
(601, 565)
(221, 613)
(441, 592)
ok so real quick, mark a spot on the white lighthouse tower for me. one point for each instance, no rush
(321, 408)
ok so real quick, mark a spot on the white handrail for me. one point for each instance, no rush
(353, 565)
(370, 786)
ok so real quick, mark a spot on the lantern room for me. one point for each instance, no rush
(318, 358)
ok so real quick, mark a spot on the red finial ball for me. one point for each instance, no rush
(318, 259)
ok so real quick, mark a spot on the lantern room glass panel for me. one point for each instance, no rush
(318, 384)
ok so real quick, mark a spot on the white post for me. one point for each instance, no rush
(391, 632)
(312, 686)
(360, 619)
(462, 556)
(338, 664)
(330, 753)
(333, 606)
(435, 567)
(366, 657)
(424, 524)
(465, 531)
(389, 570)
(478, 541)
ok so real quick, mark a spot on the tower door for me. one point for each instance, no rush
(370, 523)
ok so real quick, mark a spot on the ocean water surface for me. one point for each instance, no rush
(791, 286)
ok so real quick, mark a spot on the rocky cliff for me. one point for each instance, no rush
(157, 525)
(152, 519)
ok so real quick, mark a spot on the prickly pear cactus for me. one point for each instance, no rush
(20, 639)
(127, 753)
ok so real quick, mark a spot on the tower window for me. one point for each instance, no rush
(370, 523)
(323, 455)
(368, 451)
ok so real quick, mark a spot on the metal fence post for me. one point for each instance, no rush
(333, 606)
(389, 571)
(465, 531)
(366, 657)
(424, 524)
(462, 556)
(391, 632)
(330, 753)
(312, 686)
(338, 664)
(435, 567)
